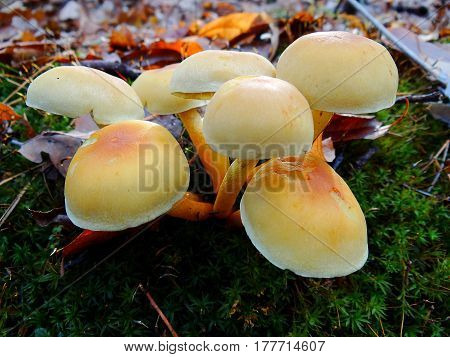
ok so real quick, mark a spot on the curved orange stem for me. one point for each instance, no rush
(317, 148)
(215, 165)
(191, 208)
(232, 183)
(321, 120)
(234, 220)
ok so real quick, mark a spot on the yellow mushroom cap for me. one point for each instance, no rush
(124, 175)
(340, 72)
(258, 118)
(153, 89)
(301, 215)
(78, 90)
(204, 72)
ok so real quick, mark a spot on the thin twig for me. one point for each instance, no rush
(404, 285)
(27, 81)
(421, 98)
(441, 168)
(425, 193)
(382, 328)
(443, 147)
(112, 67)
(20, 174)
(14, 204)
(158, 310)
(373, 331)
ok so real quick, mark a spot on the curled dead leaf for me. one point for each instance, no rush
(59, 146)
(7, 113)
(184, 47)
(54, 216)
(345, 127)
(122, 38)
(233, 25)
(9, 116)
(162, 53)
(302, 23)
(328, 150)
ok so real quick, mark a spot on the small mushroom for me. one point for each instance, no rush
(200, 75)
(301, 215)
(252, 118)
(76, 90)
(124, 175)
(340, 72)
(153, 89)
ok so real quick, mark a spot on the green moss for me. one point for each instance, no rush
(211, 281)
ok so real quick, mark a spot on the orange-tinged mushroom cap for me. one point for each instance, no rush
(124, 175)
(301, 215)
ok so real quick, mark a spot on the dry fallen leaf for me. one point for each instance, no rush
(162, 53)
(345, 127)
(231, 26)
(86, 239)
(59, 146)
(122, 38)
(8, 116)
(170, 122)
(54, 216)
(7, 113)
(436, 55)
(183, 47)
(328, 149)
(300, 24)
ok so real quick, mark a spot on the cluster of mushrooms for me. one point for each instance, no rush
(297, 211)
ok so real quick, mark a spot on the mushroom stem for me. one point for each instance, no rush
(317, 148)
(234, 220)
(252, 171)
(216, 165)
(235, 178)
(321, 120)
(191, 208)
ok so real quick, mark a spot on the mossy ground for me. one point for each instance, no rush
(211, 281)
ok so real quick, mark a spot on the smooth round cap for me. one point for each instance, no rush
(204, 72)
(340, 72)
(124, 175)
(152, 88)
(301, 215)
(258, 118)
(76, 90)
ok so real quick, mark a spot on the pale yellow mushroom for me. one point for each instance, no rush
(124, 175)
(340, 72)
(252, 118)
(200, 75)
(301, 215)
(153, 89)
(76, 90)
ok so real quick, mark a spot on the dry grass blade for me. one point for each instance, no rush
(158, 310)
(441, 166)
(14, 204)
(26, 82)
(6, 180)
